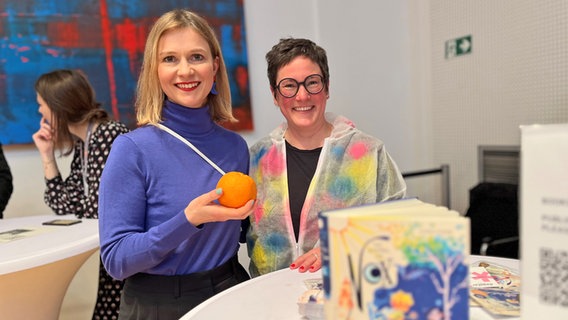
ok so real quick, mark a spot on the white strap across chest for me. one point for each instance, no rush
(189, 144)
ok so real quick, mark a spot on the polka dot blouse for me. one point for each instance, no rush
(69, 196)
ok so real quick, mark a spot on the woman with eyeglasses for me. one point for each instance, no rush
(314, 161)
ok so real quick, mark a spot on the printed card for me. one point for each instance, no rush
(505, 278)
(481, 278)
(497, 301)
(316, 283)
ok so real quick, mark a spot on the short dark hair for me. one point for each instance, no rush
(288, 49)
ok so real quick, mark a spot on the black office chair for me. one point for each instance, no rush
(494, 215)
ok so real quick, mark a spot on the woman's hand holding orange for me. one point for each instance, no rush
(203, 209)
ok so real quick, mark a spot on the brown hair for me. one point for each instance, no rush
(71, 99)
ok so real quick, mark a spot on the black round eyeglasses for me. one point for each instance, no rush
(289, 87)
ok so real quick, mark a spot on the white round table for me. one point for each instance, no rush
(38, 262)
(274, 296)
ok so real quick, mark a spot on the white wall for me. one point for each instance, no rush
(369, 48)
(266, 22)
(517, 73)
(379, 64)
(377, 60)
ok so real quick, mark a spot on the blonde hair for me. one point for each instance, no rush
(150, 97)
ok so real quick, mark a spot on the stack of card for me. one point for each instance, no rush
(495, 288)
(310, 303)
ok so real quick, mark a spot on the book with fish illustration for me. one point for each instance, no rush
(402, 259)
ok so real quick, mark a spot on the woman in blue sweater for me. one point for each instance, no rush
(160, 227)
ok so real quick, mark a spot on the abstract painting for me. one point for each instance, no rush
(105, 39)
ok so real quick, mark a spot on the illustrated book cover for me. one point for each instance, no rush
(402, 259)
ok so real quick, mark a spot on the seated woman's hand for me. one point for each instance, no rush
(310, 261)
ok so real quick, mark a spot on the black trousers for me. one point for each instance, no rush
(156, 297)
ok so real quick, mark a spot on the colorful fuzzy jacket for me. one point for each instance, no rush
(353, 169)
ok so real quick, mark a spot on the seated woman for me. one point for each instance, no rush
(75, 123)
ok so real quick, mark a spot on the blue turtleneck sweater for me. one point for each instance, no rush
(148, 180)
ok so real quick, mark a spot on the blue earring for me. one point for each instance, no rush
(214, 88)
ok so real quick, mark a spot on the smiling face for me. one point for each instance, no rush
(186, 67)
(304, 111)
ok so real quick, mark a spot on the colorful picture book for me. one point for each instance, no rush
(403, 259)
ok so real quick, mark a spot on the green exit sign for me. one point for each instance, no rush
(458, 47)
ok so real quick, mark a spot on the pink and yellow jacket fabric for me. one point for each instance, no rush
(353, 169)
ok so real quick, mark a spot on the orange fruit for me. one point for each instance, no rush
(238, 189)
